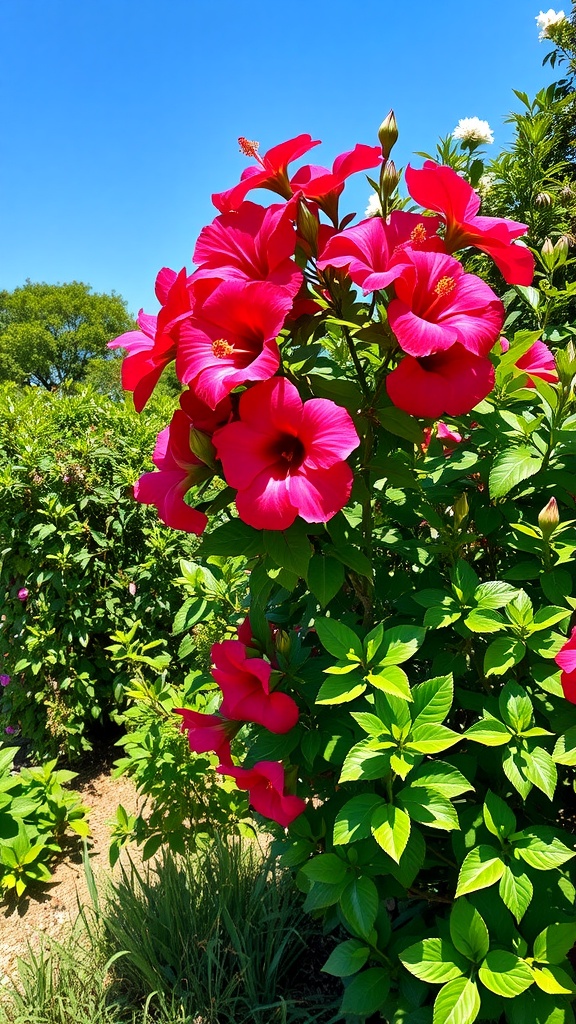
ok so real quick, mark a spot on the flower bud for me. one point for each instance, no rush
(282, 642)
(460, 510)
(389, 180)
(308, 224)
(388, 134)
(549, 519)
(561, 250)
(543, 199)
(202, 447)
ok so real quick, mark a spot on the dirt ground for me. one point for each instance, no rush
(52, 910)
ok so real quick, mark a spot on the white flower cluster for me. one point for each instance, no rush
(373, 209)
(546, 19)
(472, 129)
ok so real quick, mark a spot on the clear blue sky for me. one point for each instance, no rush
(119, 118)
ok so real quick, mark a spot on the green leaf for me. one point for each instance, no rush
(440, 617)
(399, 423)
(565, 750)
(434, 961)
(481, 868)
(338, 639)
(494, 594)
(365, 994)
(515, 707)
(325, 577)
(505, 973)
(541, 770)
(514, 765)
(468, 931)
(354, 559)
(429, 808)
(484, 620)
(553, 980)
(433, 700)
(232, 538)
(502, 654)
(431, 739)
(516, 890)
(465, 581)
(391, 679)
(442, 777)
(189, 614)
(458, 1002)
(354, 818)
(290, 548)
(512, 466)
(359, 903)
(326, 867)
(489, 731)
(348, 958)
(341, 689)
(554, 943)
(399, 644)
(366, 760)
(547, 617)
(498, 817)
(540, 848)
(391, 830)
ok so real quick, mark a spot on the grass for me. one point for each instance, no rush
(217, 937)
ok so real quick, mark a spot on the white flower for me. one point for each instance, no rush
(485, 183)
(373, 209)
(546, 19)
(472, 129)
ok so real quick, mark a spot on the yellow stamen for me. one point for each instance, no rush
(222, 348)
(445, 286)
(418, 234)
(247, 147)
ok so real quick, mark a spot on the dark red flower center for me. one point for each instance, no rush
(290, 451)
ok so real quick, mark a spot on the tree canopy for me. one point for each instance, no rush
(49, 332)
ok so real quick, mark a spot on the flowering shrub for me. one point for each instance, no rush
(410, 581)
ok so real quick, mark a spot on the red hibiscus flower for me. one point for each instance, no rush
(437, 304)
(324, 186)
(373, 249)
(286, 457)
(270, 172)
(231, 338)
(266, 783)
(252, 244)
(566, 660)
(245, 685)
(450, 382)
(437, 187)
(537, 361)
(152, 348)
(208, 733)
(449, 439)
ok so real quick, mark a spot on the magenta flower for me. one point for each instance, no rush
(266, 785)
(251, 244)
(4, 680)
(270, 172)
(448, 438)
(437, 304)
(23, 594)
(373, 249)
(231, 339)
(439, 188)
(286, 457)
(450, 382)
(245, 685)
(208, 733)
(324, 186)
(538, 362)
(11, 729)
(566, 660)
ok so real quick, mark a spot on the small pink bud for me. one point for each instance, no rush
(23, 594)
(132, 589)
(10, 730)
(549, 518)
(4, 680)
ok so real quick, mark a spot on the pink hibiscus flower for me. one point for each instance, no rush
(266, 785)
(450, 382)
(180, 470)
(324, 186)
(449, 439)
(437, 304)
(245, 685)
(373, 249)
(537, 361)
(270, 172)
(153, 347)
(208, 733)
(286, 457)
(251, 244)
(566, 660)
(231, 339)
(439, 188)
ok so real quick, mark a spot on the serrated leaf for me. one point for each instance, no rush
(341, 689)
(468, 931)
(429, 808)
(432, 700)
(326, 867)
(338, 639)
(484, 620)
(502, 654)
(540, 848)
(554, 981)
(440, 617)
(354, 818)
(514, 765)
(481, 868)
(541, 770)
(431, 739)
(325, 577)
(391, 829)
(511, 467)
(399, 644)
(565, 750)
(494, 594)
(442, 777)
(515, 707)
(290, 549)
(489, 731)
(391, 679)
(516, 890)
(458, 1002)
(498, 817)
(505, 973)
(348, 958)
(433, 960)
(363, 761)
(365, 994)
(359, 903)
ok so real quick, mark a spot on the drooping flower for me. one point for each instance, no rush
(266, 785)
(245, 685)
(449, 439)
(547, 20)
(153, 347)
(324, 186)
(566, 660)
(286, 457)
(450, 382)
(539, 362)
(473, 130)
(438, 304)
(231, 339)
(374, 250)
(438, 187)
(252, 244)
(270, 172)
(208, 733)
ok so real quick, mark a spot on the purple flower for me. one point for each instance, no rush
(4, 680)
(10, 730)
(23, 594)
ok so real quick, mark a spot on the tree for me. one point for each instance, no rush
(49, 332)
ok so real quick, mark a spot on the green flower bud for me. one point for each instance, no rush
(549, 519)
(388, 134)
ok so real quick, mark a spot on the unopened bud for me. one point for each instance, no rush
(549, 519)
(561, 251)
(283, 642)
(389, 180)
(548, 255)
(388, 134)
(202, 447)
(307, 224)
(460, 510)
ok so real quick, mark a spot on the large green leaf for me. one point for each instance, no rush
(468, 931)
(359, 903)
(516, 890)
(348, 958)
(434, 960)
(498, 817)
(505, 973)
(489, 731)
(503, 654)
(326, 867)
(341, 689)
(433, 700)
(431, 739)
(338, 639)
(481, 868)
(365, 761)
(354, 818)
(554, 943)
(511, 467)
(290, 548)
(442, 777)
(540, 848)
(325, 577)
(541, 770)
(429, 808)
(391, 830)
(391, 679)
(458, 1002)
(366, 993)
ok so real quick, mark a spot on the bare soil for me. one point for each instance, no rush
(52, 909)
